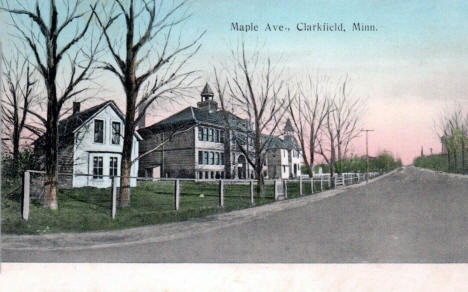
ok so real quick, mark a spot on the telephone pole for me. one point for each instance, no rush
(367, 152)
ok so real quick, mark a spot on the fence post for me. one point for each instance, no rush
(312, 185)
(221, 193)
(300, 186)
(285, 188)
(252, 202)
(114, 197)
(344, 179)
(176, 194)
(26, 193)
(334, 179)
(275, 189)
(321, 183)
(329, 182)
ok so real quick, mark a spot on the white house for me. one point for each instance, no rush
(284, 156)
(278, 162)
(90, 146)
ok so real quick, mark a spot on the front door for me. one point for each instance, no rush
(241, 167)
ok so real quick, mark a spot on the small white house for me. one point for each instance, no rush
(90, 147)
(284, 156)
(295, 162)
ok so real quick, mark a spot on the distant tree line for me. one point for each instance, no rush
(452, 130)
(383, 162)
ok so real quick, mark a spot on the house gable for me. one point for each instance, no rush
(109, 104)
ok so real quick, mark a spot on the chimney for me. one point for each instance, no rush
(76, 107)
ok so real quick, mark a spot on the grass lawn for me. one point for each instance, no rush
(88, 209)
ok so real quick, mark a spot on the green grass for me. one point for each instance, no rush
(88, 209)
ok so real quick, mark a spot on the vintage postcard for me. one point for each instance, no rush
(268, 135)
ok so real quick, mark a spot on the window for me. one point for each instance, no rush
(216, 138)
(200, 157)
(113, 166)
(211, 158)
(205, 157)
(115, 133)
(98, 131)
(97, 167)
(222, 158)
(205, 134)
(148, 173)
(200, 175)
(210, 135)
(200, 134)
(217, 158)
(221, 136)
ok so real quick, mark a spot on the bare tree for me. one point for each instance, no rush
(19, 84)
(150, 64)
(452, 129)
(327, 143)
(254, 88)
(341, 125)
(347, 113)
(52, 44)
(309, 112)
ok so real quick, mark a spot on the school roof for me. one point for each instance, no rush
(192, 116)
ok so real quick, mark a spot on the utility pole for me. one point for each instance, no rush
(367, 152)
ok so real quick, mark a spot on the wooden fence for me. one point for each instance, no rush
(280, 189)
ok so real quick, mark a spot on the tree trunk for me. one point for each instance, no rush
(332, 164)
(15, 144)
(51, 155)
(260, 182)
(310, 164)
(125, 182)
(126, 163)
(340, 157)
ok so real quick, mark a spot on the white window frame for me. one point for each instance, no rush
(112, 132)
(98, 176)
(103, 131)
(117, 165)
